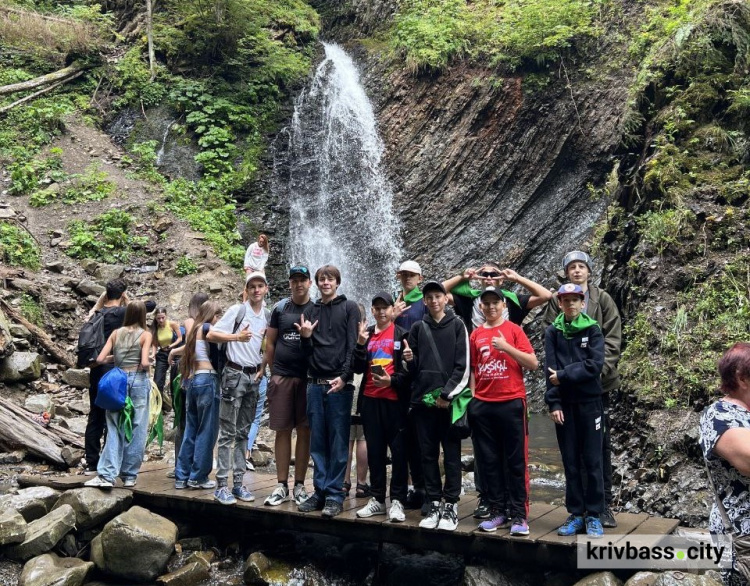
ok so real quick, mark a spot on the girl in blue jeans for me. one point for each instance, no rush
(128, 347)
(198, 368)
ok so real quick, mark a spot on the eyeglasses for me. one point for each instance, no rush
(489, 274)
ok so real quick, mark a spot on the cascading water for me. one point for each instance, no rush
(340, 201)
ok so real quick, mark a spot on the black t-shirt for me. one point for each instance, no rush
(288, 358)
(114, 316)
(467, 309)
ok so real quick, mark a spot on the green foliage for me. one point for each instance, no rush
(23, 131)
(431, 33)
(26, 175)
(17, 248)
(108, 238)
(132, 80)
(93, 185)
(31, 310)
(186, 266)
(206, 207)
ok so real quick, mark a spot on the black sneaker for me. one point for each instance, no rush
(608, 518)
(483, 510)
(414, 499)
(425, 508)
(313, 503)
(332, 508)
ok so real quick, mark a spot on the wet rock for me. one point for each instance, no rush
(12, 527)
(205, 558)
(14, 457)
(55, 266)
(467, 463)
(600, 579)
(60, 305)
(255, 565)
(20, 331)
(93, 506)
(21, 366)
(188, 575)
(684, 579)
(642, 579)
(72, 456)
(43, 534)
(137, 534)
(432, 568)
(40, 404)
(51, 570)
(33, 503)
(481, 576)
(86, 287)
(198, 543)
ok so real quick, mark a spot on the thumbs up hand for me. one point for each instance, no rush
(407, 353)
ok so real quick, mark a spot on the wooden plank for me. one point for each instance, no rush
(626, 524)
(544, 529)
(654, 526)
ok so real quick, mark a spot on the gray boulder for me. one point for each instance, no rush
(642, 579)
(137, 534)
(51, 570)
(32, 503)
(188, 575)
(43, 534)
(685, 579)
(93, 506)
(77, 377)
(40, 403)
(86, 287)
(255, 566)
(12, 527)
(20, 331)
(21, 367)
(600, 579)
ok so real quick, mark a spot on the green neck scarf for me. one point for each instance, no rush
(125, 421)
(465, 290)
(570, 329)
(412, 296)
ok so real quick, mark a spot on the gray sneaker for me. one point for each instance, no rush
(241, 493)
(206, 484)
(313, 503)
(279, 495)
(223, 495)
(299, 493)
(608, 518)
(332, 508)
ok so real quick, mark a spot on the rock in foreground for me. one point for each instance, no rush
(51, 570)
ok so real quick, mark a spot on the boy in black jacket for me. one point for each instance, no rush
(437, 355)
(574, 358)
(384, 384)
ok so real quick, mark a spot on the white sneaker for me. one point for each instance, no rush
(397, 511)
(373, 507)
(279, 495)
(128, 482)
(433, 517)
(99, 482)
(300, 494)
(449, 518)
(249, 465)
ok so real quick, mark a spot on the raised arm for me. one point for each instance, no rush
(539, 293)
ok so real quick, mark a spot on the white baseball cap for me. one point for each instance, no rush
(411, 267)
(256, 275)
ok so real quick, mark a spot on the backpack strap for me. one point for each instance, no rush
(433, 347)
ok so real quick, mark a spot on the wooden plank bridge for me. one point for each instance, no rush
(542, 546)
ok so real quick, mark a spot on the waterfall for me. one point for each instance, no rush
(160, 154)
(340, 202)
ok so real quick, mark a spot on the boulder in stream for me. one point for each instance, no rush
(95, 507)
(188, 575)
(43, 534)
(255, 566)
(33, 502)
(137, 534)
(600, 579)
(51, 570)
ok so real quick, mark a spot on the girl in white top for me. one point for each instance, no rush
(256, 256)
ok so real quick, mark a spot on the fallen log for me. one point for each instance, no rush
(18, 432)
(41, 337)
(29, 13)
(6, 339)
(39, 93)
(41, 80)
(56, 433)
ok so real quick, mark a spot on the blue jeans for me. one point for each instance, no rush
(258, 413)
(201, 428)
(329, 417)
(118, 457)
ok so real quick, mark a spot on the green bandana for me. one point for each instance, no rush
(430, 399)
(570, 329)
(125, 421)
(412, 296)
(465, 290)
(460, 404)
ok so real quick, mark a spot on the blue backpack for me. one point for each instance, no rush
(112, 391)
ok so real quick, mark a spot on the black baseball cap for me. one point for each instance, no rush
(433, 286)
(384, 296)
(496, 291)
(299, 270)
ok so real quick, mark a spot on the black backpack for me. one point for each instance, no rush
(91, 340)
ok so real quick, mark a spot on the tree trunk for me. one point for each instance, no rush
(39, 93)
(40, 81)
(17, 431)
(6, 339)
(44, 340)
(150, 37)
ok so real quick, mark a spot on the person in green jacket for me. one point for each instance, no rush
(600, 306)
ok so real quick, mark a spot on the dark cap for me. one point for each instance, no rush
(382, 296)
(299, 270)
(570, 289)
(433, 286)
(496, 291)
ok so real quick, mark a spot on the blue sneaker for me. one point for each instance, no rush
(241, 493)
(573, 524)
(594, 527)
(223, 495)
(495, 522)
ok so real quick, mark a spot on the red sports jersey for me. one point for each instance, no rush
(497, 376)
(380, 351)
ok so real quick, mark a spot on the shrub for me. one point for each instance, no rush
(186, 266)
(17, 247)
(107, 238)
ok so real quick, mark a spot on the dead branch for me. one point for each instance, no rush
(41, 81)
(4, 109)
(44, 340)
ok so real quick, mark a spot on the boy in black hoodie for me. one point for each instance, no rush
(385, 385)
(437, 355)
(574, 358)
(328, 333)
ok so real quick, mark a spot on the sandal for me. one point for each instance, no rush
(363, 490)
(347, 488)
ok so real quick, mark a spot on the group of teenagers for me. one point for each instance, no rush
(429, 343)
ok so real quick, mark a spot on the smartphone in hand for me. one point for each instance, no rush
(378, 369)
